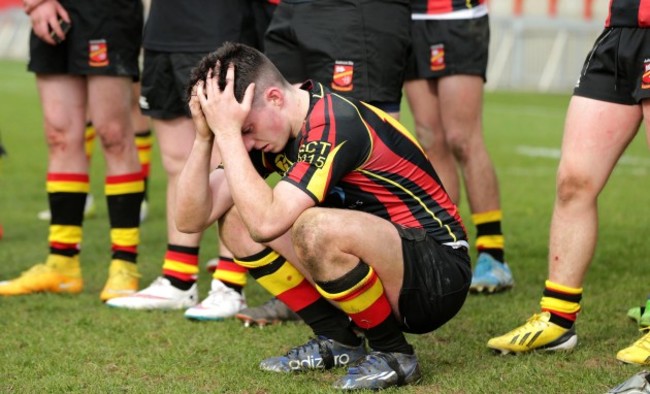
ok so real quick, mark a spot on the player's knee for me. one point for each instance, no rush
(309, 234)
(61, 138)
(115, 136)
(235, 235)
(55, 136)
(571, 186)
(173, 163)
(458, 142)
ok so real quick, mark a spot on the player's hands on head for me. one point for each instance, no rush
(200, 123)
(223, 113)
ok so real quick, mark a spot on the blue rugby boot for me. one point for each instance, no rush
(317, 353)
(490, 275)
(380, 370)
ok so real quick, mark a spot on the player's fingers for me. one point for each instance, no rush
(42, 30)
(230, 79)
(62, 13)
(56, 28)
(247, 101)
(208, 87)
(215, 70)
(200, 93)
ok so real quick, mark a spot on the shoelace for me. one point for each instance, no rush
(124, 275)
(324, 350)
(37, 269)
(216, 296)
(533, 321)
(484, 268)
(364, 365)
(644, 341)
(306, 348)
(374, 362)
(158, 282)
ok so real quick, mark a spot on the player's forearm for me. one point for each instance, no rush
(193, 204)
(252, 196)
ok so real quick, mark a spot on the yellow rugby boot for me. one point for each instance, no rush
(538, 333)
(59, 274)
(123, 280)
(638, 352)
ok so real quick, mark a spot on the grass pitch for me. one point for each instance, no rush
(53, 343)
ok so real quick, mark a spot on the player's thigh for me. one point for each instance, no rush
(371, 239)
(109, 103)
(422, 95)
(461, 103)
(63, 99)
(645, 104)
(175, 138)
(596, 134)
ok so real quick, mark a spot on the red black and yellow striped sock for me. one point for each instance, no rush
(181, 266)
(144, 143)
(562, 302)
(67, 196)
(360, 294)
(489, 238)
(230, 274)
(274, 273)
(124, 196)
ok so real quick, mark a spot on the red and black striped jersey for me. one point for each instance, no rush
(628, 13)
(352, 155)
(443, 6)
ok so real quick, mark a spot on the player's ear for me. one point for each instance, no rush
(274, 96)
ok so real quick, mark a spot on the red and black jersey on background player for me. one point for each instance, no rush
(628, 13)
(443, 6)
(352, 155)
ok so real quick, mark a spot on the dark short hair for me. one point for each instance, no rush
(250, 66)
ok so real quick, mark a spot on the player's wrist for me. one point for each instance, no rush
(30, 5)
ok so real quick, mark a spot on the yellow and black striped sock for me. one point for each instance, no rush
(89, 135)
(274, 273)
(489, 238)
(360, 294)
(562, 302)
(230, 274)
(144, 143)
(123, 196)
(67, 197)
(181, 266)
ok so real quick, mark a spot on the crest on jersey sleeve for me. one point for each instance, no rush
(342, 77)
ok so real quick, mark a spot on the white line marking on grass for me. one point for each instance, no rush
(526, 110)
(554, 153)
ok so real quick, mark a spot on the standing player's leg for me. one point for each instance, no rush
(144, 143)
(639, 351)
(89, 208)
(596, 134)
(424, 102)
(63, 99)
(176, 288)
(462, 112)
(110, 113)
